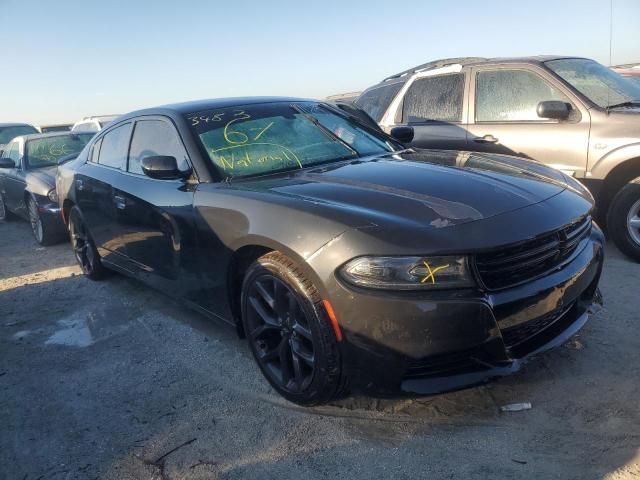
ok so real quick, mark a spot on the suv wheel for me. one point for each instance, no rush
(623, 219)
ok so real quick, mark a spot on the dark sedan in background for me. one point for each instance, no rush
(27, 180)
(348, 261)
(8, 131)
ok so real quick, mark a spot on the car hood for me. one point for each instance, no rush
(420, 188)
(42, 178)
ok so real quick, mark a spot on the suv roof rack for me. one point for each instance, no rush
(97, 117)
(438, 64)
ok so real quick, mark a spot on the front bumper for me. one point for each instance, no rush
(50, 214)
(433, 342)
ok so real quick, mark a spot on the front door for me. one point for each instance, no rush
(503, 117)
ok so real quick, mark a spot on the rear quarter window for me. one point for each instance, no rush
(114, 148)
(377, 100)
(434, 99)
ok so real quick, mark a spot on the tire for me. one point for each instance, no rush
(39, 228)
(623, 219)
(289, 333)
(5, 215)
(83, 247)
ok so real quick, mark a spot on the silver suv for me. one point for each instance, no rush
(570, 113)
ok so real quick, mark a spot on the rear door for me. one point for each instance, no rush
(156, 216)
(433, 104)
(503, 117)
(94, 185)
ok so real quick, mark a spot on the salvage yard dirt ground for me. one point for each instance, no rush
(114, 381)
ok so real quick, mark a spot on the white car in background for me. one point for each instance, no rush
(92, 124)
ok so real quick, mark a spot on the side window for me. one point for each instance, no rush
(113, 151)
(434, 99)
(376, 101)
(13, 152)
(95, 151)
(155, 137)
(511, 96)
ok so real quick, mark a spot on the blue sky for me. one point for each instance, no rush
(62, 60)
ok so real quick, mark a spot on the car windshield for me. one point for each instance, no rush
(48, 151)
(601, 85)
(9, 133)
(258, 139)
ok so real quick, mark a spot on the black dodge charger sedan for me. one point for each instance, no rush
(27, 180)
(347, 261)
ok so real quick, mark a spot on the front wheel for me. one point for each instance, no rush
(623, 219)
(84, 248)
(288, 331)
(41, 230)
(4, 213)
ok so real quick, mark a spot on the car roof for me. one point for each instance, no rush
(37, 136)
(467, 61)
(3, 125)
(209, 104)
(98, 117)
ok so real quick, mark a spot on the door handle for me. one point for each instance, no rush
(120, 202)
(79, 184)
(486, 139)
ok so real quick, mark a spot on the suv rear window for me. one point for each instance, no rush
(376, 101)
(434, 99)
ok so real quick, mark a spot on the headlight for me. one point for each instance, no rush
(53, 195)
(408, 273)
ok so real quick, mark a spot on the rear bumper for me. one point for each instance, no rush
(429, 343)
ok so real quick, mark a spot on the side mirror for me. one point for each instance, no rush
(403, 134)
(554, 109)
(162, 167)
(7, 163)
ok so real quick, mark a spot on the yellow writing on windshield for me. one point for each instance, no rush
(259, 153)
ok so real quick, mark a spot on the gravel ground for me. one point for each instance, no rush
(111, 380)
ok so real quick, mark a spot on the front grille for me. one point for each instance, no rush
(527, 260)
(444, 364)
(518, 334)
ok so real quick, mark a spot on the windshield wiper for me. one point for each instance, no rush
(630, 103)
(325, 130)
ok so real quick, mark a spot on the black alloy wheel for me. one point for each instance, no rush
(280, 333)
(83, 247)
(288, 332)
